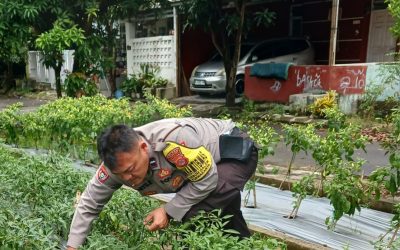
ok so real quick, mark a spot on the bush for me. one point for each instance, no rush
(327, 101)
(78, 85)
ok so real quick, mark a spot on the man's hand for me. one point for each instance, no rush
(157, 219)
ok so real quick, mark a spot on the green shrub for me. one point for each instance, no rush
(327, 101)
(77, 85)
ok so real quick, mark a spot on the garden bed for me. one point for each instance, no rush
(308, 230)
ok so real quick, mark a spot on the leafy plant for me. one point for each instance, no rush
(380, 98)
(345, 191)
(300, 139)
(78, 85)
(369, 99)
(53, 43)
(265, 138)
(10, 123)
(207, 231)
(327, 101)
(388, 177)
(300, 191)
(148, 78)
(333, 154)
(32, 217)
(131, 86)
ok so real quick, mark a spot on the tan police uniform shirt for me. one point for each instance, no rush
(182, 159)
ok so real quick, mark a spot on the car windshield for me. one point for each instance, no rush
(243, 51)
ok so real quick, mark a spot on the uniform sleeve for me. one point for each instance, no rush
(193, 192)
(97, 193)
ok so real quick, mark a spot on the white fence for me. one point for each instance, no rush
(40, 73)
(157, 51)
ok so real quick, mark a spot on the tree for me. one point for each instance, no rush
(227, 22)
(101, 22)
(16, 17)
(394, 9)
(53, 43)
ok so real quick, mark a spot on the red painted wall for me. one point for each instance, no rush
(344, 79)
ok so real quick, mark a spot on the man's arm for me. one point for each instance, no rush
(97, 193)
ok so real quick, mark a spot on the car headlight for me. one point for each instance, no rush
(194, 71)
(220, 72)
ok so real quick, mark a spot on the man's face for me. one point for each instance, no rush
(132, 166)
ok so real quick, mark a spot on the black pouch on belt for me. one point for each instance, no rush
(234, 146)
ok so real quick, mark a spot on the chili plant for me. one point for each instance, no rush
(333, 154)
(345, 191)
(265, 137)
(10, 124)
(207, 231)
(389, 176)
(300, 191)
(71, 126)
(339, 144)
(38, 194)
(300, 139)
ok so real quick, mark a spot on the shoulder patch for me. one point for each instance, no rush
(195, 162)
(102, 174)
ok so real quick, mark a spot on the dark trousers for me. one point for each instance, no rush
(232, 176)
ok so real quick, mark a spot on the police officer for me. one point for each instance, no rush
(206, 162)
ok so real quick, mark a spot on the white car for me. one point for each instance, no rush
(209, 77)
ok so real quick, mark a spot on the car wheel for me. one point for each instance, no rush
(239, 85)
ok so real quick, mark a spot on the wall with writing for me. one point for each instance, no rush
(346, 80)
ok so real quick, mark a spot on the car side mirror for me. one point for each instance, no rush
(254, 58)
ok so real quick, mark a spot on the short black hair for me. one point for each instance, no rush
(113, 140)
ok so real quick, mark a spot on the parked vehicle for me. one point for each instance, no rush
(210, 78)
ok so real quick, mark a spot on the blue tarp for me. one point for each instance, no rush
(270, 70)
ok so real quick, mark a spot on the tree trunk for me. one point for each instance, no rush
(57, 71)
(231, 77)
(230, 86)
(111, 53)
(9, 82)
(111, 80)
